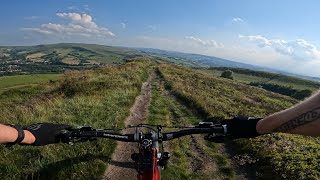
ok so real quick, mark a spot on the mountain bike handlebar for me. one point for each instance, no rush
(178, 134)
(88, 133)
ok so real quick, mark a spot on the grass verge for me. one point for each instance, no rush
(276, 156)
(100, 98)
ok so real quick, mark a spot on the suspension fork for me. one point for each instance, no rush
(153, 172)
(151, 153)
(156, 157)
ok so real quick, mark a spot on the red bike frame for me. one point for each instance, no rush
(155, 173)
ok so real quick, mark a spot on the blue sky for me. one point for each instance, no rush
(278, 34)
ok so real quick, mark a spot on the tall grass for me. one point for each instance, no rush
(277, 156)
(219, 98)
(165, 110)
(100, 98)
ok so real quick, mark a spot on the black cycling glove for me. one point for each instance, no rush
(242, 127)
(46, 133)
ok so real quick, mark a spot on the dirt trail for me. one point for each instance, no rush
(204, 163)
(121, 166)
(243, 172)
(201, 162)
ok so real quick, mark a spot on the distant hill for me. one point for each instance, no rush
(57, 58)
(201, 60)
(295, 87)
(197, 60)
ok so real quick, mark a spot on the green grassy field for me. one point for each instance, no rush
(175, 60)
(283, 80)
(18, 81)
(87, 52)
(276, 156)
(221, 98)
(58, 58)
(100, 98)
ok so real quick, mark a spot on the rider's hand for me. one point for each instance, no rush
(242, 127)
(46, 133)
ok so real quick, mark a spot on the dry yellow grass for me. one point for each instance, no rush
(36, 57)
(71, 61)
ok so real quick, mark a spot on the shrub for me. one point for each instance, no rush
(284, 90)
(302, 94)
(227, 74)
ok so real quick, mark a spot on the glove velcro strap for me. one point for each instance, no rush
(20, 134)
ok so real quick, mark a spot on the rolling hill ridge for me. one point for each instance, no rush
(198, 60)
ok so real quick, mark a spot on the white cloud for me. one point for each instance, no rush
(123, 25)
(237, 19)
(207, 43)
(79, 24)
(260, 40)
(236, 50)
(39, 30)
(297, 49)
(174, 44)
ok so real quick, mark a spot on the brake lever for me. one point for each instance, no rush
(73, 135)
(213, 137)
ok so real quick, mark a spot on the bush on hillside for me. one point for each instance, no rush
(227, 74)
(302, 94)
(284, 90)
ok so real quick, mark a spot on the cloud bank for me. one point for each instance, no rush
(207, 43)
(78, 25)
(298, 49)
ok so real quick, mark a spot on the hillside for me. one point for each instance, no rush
(100, 98)
(57, 58)
(198, 60)
(273, 156)
(104, 98)
(297, 88)
(247, 76)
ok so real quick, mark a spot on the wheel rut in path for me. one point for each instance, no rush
(205, 163)
(121, 166)
(200, 161)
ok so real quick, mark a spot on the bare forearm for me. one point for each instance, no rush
(9, 134)
(303, 118)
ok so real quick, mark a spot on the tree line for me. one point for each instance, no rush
(284, 90)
